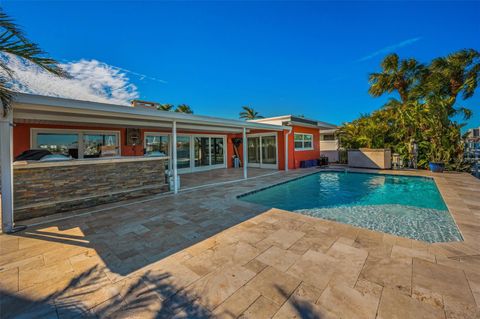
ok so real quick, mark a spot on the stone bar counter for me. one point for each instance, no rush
(45, 188)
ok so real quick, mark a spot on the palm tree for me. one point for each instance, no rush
(184, 108)
(397, 75)
(456, 73)
(13, 42)
(249, 113)
(165, 107)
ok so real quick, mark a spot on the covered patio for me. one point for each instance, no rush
(35, 118)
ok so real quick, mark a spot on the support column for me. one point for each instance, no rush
(174, 157)
(6, 159)
(286, 150)
(245, 155)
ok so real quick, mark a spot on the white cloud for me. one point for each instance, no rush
(390, 48)
(91, 81)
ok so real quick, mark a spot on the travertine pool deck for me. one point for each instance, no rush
(203, 253)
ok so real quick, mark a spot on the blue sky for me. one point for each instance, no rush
(310, 58)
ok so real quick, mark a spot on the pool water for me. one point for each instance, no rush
(400, 205)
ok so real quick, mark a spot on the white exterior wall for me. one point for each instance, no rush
(329, 148)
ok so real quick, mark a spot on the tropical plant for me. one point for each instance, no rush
(184, 108)
(425, 112)
(165, 107)
(396, 75)
(249, 113)
(13, 42)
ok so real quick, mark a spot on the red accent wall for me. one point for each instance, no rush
(21, 136)
(231, 151)
(21, 142)
(296, 156)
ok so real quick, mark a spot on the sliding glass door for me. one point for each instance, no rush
(202, 151)
(183, 152)
(269, 150)
(262, 151)
(209, 152)
(253, 149)
(194, 152)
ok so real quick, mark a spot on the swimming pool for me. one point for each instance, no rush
(400, 205)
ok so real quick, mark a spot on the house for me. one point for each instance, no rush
(472, 144)
(329, 145)
(306, 139)
(120, 152)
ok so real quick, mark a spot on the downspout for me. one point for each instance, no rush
(174, 157)
(245, 150)
(286, 149)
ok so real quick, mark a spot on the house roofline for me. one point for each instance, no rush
(27, 102)
(299, 121)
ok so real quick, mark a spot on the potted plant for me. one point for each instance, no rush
(437, 161)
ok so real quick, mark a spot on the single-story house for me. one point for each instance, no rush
(119, 152)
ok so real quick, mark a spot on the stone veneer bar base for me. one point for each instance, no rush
(42, 189)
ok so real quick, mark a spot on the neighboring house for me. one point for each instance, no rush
(472, 144)
(329, 145)
(305, 139)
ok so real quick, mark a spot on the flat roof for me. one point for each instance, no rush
(47, 108)
(297, 120)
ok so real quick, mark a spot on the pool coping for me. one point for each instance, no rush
(406, 173)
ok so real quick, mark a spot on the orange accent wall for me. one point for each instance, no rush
(21, 136)
(295, 157)
(231, 151)
(21, 142)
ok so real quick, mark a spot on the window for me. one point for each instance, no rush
(77, 144)
(156, 143)
(202, 151)
(218, 156)
(100, 145)
(328, 137)
(303, 142)
(58, 143)
(183, 152)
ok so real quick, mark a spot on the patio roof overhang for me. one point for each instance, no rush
(36, 108)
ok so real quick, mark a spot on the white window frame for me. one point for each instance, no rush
(303, 148)
(260, 164)
(35, 131)
(192, 167)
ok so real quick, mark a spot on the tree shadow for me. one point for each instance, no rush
(301, 308)
(126, 244)
(148, 295)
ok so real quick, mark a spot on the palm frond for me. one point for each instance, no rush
(184, 108)
(14, 42)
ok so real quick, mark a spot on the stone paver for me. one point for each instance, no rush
(204, 253)
(359, 305)
(279, 258)
(395, 305)
(389, 272)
